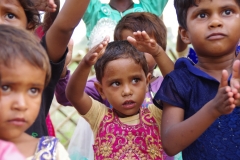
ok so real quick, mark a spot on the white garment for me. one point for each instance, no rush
(81, 144)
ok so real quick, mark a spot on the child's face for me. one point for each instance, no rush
(150, 60)
(124, 85)
(21, 90)
(213, 27)
(12, 13)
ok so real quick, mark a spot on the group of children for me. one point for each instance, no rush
(131, 114)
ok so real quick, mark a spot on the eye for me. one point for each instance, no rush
(202, 15)
(10, 16)
(115, 84)
(5, 88)
(135, 80)
(227, 12)
(33, 91)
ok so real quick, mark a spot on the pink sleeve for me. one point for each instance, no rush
(9, 151)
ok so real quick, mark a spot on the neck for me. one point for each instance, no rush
(26, 144)
(220, 63)
(121, 5)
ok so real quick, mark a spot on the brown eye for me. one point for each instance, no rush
(227, 12)
(10, 16)
(202, 15)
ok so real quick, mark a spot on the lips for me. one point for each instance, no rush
(216, 36)
(18, 121)
(128, 104)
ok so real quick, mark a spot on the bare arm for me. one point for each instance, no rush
(75, 88)
(59, 34)
(177, 133)
(144, 43)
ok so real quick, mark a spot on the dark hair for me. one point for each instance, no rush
(139, 21)
(16, 43)
(118, 50)
(182, 7)
(31, 12)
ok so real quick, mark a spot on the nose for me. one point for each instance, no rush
(215, 22)
(126, 91)
(19, 102)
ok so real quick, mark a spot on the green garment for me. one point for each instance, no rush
(97, 10)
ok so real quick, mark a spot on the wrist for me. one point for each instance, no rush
(159, 52)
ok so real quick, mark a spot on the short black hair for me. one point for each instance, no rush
(117, 50)
(182, 7)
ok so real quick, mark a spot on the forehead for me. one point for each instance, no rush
(22, 72)
(123, 68)
(14, 3)
(216, 2)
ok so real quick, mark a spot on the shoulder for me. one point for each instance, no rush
(9, 151)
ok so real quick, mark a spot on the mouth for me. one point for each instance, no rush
(17, 121)
(216, 36)
(129, 104)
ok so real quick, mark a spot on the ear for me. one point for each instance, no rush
(99, 88)
(184, 35)
(148, 79)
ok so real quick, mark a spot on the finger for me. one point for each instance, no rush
(145, 36)
(138, 36)
(224, 79)
(132, 40)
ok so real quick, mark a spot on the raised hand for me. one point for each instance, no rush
(96, 52)
(224, 102)
(45, 5)
(144, 43)
(235, 81)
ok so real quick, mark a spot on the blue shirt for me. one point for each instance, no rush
(189, 88)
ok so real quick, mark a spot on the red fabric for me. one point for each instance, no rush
(50, 127)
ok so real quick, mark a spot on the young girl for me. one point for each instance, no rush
(101, 18)
(23, 14)
(22, 54)
(122, 74)
(200, 117)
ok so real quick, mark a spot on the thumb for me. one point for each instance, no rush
(235, 69)
(224, 79)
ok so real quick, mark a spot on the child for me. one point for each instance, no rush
(133, 22)
(21, 53)
(23, 14)
(122, 73)
(101, 18)
(204, 121)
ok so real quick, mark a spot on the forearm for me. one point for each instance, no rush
(176, 137)
(75, 88)
(164, 63)
(61, 30)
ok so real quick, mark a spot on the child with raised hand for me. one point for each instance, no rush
(24, 14)
(21, 53)
(127, 130)
(204, 120)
